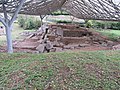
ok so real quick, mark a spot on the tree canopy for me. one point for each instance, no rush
(84, 9)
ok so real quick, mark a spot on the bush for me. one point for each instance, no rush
(89, 24)
(60, 13)
(106, 24)
(62, 21)
(21, 21)
(37, 24)
(118, 25)
(29, 22)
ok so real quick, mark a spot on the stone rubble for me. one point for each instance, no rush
(116, 47)
(57, 38)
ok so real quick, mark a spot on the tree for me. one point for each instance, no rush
(8, 22)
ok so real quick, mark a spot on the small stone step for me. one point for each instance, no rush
(26, 45)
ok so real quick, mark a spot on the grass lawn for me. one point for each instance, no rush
(61, 71)
(112, 34)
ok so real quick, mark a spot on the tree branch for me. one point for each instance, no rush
(2, 21)
(17, 11)
(5, 13)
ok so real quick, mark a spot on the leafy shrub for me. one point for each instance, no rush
(60, 13)
(103, 24)
(62, 21)
(37, 24)
(29, 22)
(89, 24)
(21, 21)
(118, 25)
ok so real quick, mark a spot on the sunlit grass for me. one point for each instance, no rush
(111, 34)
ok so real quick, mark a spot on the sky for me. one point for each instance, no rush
(116, 1)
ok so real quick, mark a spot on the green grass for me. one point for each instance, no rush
(111, 34)
(61, 71)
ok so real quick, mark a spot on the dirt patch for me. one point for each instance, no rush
(16, 78)
(61, 78)
(20, 57)
(115, 74)
(3, 48)
(64, 71)
(94, 69)
(35, 63)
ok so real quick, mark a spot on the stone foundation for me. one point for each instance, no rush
(62, 38)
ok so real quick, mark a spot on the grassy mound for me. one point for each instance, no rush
(111, 34)
(61, 71)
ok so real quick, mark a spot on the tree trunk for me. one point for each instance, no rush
(9, 39)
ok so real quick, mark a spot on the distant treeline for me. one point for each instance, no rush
(103, 24)
(59, 12)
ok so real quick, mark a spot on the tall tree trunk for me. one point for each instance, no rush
(9, 39)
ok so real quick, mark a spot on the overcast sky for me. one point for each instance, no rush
(116, 1)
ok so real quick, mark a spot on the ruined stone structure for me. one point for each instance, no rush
(57, 38)
(83, 9)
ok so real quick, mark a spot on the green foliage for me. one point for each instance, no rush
(21, 21)
(29, 22)
(104, 24)
(66, 22)
(63, 21)
(118, 25)
(89, 24)
(37, 24)
(60, 13)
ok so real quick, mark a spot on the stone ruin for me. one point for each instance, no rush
(57, 38)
